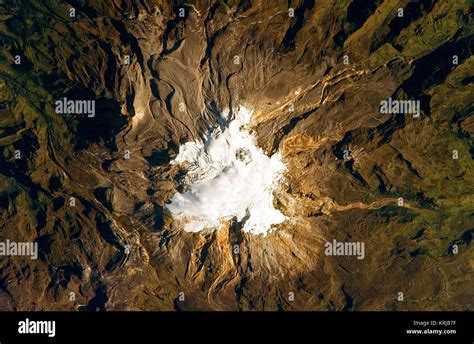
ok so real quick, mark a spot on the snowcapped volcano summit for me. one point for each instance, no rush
(228, 176)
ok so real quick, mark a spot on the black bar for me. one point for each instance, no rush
(317, 327)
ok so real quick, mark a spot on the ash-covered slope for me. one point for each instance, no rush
(91, 188)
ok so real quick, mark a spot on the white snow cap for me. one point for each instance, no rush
(228, 176)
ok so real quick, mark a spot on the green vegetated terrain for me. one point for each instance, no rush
(100, 219)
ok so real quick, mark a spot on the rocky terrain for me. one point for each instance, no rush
(92, 191)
